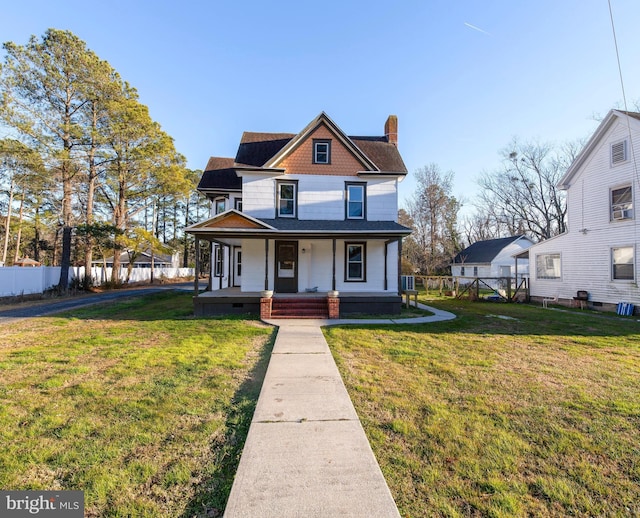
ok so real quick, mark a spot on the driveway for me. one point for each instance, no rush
(41, 309)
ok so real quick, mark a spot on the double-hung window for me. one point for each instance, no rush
(355, 268)
(287, 199)
(220, 205)
(622, 263)
(356, 198)
(621, 203)
(321, 151)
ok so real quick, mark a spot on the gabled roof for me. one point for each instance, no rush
(484, 251)
(264, 150)
(322, 119)
(229, 220)
(594, 142)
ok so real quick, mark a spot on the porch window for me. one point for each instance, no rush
(621, 203)
(287, 199)
(548, 266)
(355, 198)
(218, 261)
(321, 151)
(622, 262)
(355, 270)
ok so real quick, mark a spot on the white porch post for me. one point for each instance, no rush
(266, 264)
(197, 272)
(333, 279)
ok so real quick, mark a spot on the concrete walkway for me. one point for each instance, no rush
(306, 453)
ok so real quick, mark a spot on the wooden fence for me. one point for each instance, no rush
(505, 289)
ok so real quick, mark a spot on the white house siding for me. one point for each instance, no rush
(586, 247)
(315, 266)
(319, 197)
(505, 258)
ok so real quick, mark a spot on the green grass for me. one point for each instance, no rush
(509, 410)
(138, 404)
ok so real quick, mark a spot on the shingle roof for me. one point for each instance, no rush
(484, 251)
(219, 174)
(257, 148)
(324, 225)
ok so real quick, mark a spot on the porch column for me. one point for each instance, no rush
(386, 253)
(399, 264)
(197, 272)
(333, 279)
(266, 264)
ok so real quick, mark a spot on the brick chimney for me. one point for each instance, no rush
(391, 129)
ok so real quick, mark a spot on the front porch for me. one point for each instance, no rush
(232, 301)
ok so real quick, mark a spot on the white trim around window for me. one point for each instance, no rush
(287, 199)
(623, 263)
(548, 266)
(621, 203)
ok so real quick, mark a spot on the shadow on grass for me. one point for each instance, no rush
(213, 491)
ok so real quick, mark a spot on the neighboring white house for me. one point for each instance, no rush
(599, 251)
(315, 211)
(492, 258)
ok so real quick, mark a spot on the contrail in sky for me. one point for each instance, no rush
(476, 28)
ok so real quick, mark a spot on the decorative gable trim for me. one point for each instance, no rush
(231, 219)
(321, 119)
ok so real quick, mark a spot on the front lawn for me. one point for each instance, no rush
(140, 405)
(508, 410)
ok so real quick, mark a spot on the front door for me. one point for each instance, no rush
(286, 278)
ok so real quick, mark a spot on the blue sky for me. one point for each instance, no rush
(463, 77)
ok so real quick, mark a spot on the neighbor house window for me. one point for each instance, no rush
(287, 199)
(548, 266)
(218, 261)
(355, 198)
(462, 270)
(355, 262)
(475, 271)
(622, 263)
(321, 151)
(220, 205)
(621, 203)
(618, 152)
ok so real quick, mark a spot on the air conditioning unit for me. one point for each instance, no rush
(408, 282)
(622, 214)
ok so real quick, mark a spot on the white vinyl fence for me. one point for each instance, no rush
(15, 280)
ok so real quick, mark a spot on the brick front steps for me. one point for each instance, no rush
(299, 308)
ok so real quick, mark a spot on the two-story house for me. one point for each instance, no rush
(599, 251)
(306, 215)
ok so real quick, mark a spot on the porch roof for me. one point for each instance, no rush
(304, 229)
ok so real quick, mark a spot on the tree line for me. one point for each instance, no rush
(518, 198)
(83, 164)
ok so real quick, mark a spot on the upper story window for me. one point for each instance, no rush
(220, 205)
(621, 203)
(355, 198)
(548, 266)
(622, 263)
(321, 151)
(618, 152)
(237, 204)
(287, 199)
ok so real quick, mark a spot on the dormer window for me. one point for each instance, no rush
(618, 152)
(321, 151)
